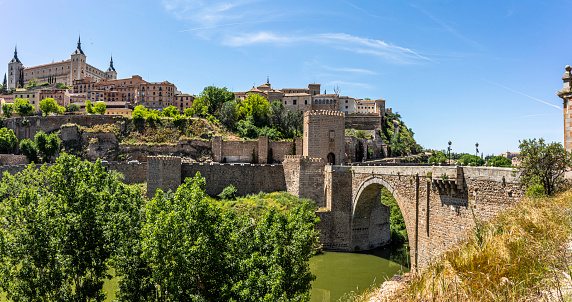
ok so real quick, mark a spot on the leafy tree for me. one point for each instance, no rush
(246, 128)
(62, 86)
(228, 193)
(32, 83)
(499, 161)
(89, 107)
(200, 107)
(48, 145)
(29, 149)
(73, 108)
(63, 224)
(99, 108)
(294, 119)
(256, 106)
(278, 115)
(195, 252)
(473, 160)
(543, 164)
(4, 86)
(189, 112)
(212, 98)
(7, 109)
(49, 105)
(8, 140)
(228, 115)
(170, 111)
(23, 107)
(140, 112)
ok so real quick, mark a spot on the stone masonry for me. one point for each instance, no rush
(324, 136)
(163, 172)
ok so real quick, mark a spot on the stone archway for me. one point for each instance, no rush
(370, 219)
(331, 158)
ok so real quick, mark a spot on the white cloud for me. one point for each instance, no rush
(340, 41)
(344, 83)
(209, 13)
(352, 70)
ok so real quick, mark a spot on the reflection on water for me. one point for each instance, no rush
(340, 273)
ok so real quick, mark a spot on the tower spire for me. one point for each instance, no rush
(15, 59)
(78, 49)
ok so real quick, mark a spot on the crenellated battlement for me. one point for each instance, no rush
(324, 112)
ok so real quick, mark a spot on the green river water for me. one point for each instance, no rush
(339, 273)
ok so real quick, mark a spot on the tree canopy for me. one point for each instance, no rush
(49, 105)
(210, 100)
(99, 108)
(23, 107)
(8, 140)
(543, 165)
(7, 110)
(499, 161)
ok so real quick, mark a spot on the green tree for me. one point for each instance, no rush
(73, 108)
(48, 145)
(62, 86)
(256, 106)
(212, 98)
(29, 149)
(473, 160)
(89, 107)
(170, 111)
(543, 164)
(99, 108)
(189, 112)
(200, 107)
(195, 252)
(49, 105)
(32, 83)
(23, 107)
(64, 224)
(8, 140)
(499, 161)
(228, 115)
(7, 109)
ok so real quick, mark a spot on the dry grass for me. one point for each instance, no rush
(520, 256)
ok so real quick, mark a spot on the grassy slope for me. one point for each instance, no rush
(519, 256)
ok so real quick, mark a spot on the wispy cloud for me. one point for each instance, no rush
(341, 41)
(448, 28)
(361, 9)
(533, 115)
(210, 13)
(352, 70)
(526, 95)
(221, 25)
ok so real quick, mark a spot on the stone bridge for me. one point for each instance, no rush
(439, 203)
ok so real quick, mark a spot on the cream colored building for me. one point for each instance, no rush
(74, 68)
(32, 95)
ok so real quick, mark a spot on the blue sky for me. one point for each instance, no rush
(465, 71)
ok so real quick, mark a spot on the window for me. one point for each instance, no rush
(294, 102)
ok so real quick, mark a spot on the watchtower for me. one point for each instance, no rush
(324, 136)
(163, 172)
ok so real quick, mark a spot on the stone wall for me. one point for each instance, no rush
(305, 177)
(27, 127)
(11, 159)
(252, 151)
(163, 172)
(133, 172)
(247, 178)
(363, 122)
(324, 135)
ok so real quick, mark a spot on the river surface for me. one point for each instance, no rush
(341, 273)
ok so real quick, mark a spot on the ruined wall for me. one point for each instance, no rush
(26, 127)
(242, 151)
(247, 178)
(363, 122)
(11, 159)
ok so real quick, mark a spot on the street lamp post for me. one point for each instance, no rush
(449, 152)
(477, 149)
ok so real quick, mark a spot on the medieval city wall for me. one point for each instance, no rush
(246, 178)
(363, 122)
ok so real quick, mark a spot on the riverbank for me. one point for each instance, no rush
(523, 255)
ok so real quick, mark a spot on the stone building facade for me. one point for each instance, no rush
(75, 68)
(324, 136)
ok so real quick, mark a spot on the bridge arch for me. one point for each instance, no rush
(369, 220)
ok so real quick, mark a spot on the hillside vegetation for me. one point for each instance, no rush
(398, 136)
